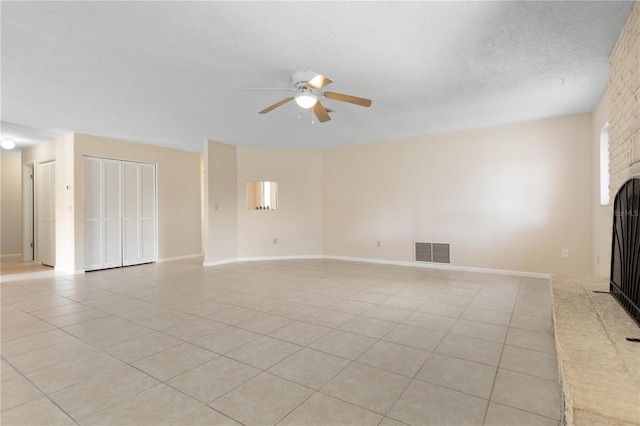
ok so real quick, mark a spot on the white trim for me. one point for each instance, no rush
(8, 256)
(28, 211)
(263, 258)
(387, 262)
(172, 259)
(220, 262)
(65, 271)
(444, 266)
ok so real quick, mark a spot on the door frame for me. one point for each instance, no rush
(28, 212)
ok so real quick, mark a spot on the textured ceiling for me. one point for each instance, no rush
(173, 73)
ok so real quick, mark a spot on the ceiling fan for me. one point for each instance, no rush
(307, 88)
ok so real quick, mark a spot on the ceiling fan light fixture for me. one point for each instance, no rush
(306, 100)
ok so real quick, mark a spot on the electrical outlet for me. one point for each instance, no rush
(378, 243)
(565, 252)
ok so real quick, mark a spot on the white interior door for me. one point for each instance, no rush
(102, 214)
(130, 214)
(112, 223)
(92, 214)
(139, 213)
(48, 213)
(120, 213)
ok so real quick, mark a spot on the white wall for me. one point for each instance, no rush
(297, 222)
(10, 204)
(59, 150)
(508, 197)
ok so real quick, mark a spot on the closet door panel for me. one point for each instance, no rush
(92, 245)
(92, 188)
(93, 233)
(131, 213)
(147, 190)
(112, 225)
(131, 239)
(103, 213)
(112, 191)
(112, 244)
(130, 190)
(148, 240)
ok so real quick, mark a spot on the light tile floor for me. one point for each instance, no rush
(291, 342)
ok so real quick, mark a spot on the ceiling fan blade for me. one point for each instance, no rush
(348, 98)
(321, 112)
(276, 105)
(318, 82)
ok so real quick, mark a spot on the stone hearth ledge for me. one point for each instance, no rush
(599, 369)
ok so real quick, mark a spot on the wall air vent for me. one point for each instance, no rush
(441, 253)
(432, 252)
(423, 252)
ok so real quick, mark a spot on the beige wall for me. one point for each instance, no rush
(68, 211)
(509, 197)
(297, 222)
(178, 174)
(220, 202)
(624, 111)
(601, 217)
(178, 186)
(10, 204)
(59, 150)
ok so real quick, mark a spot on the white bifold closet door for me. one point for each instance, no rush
(139, 213)
(120, 213)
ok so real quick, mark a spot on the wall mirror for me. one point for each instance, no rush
(262, 195)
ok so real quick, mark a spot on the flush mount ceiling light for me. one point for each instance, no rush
(8, 144)
(306, 99)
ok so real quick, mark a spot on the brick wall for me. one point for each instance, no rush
(624, 111)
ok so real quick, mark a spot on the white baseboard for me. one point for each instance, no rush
(447, 267)
(63, 270)
(267, 258)
(172, 259)
(220, 262)
(386, 262)
(262, 259)
(10, 256)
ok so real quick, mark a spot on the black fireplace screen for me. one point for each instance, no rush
(625, 248)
